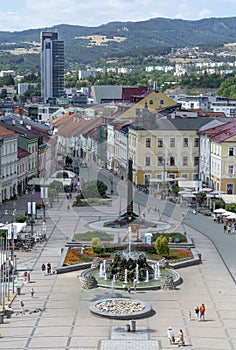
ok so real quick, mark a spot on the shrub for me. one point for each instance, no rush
(94, 189)
(162, 246)
(21, 218)
(97, 246)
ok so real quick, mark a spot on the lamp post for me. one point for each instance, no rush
(31, 211)
(164, 163)
(3, 270)
(111, 183)
(11, 250)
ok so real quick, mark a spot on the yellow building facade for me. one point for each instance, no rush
(163, 153)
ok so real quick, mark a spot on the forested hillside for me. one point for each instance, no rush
(84, 45)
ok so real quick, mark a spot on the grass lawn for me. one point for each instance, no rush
(87, 236)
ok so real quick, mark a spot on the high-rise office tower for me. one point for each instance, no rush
(52, 65)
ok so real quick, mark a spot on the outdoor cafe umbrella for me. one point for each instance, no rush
(231, 216)
(219, 211)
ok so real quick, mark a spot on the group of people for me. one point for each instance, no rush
(200, 312)
(47, 268)
(229, 228)
(180, 337)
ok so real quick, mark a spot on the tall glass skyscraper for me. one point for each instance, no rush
(52, 65)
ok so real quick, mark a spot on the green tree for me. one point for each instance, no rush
(228, 87)
(94, 189)
(3, 94)
(162, 246)
(97, 246)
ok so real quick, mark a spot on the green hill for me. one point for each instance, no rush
(119, 39)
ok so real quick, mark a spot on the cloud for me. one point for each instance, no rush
(26, 14)
(205, 13)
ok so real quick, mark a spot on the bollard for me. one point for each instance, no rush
(132, 326)
(28, 277)
(127, 328)
(1, 318)
(18, 290)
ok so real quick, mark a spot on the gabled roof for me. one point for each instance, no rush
(71, 128)
(221, 132)
(5, 132)
(154, 101)
(61, 120)
(22, 153)
(20, 130)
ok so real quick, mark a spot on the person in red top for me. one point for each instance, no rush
(202, 310)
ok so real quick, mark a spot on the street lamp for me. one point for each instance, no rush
(11, 248)
(164, 163)
(31, 211)
(111, 182)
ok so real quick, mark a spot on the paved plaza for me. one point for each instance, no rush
(58, 315)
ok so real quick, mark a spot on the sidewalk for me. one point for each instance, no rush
(58, 317)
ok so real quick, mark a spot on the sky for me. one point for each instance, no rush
(17, 15)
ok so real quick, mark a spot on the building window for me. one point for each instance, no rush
(172, 142)
(148, 143)
(160, 142)
(147, 161)
(185, 142)
(231, 151)
(196, 142)
(147, 180)
(196, 161)
(230, 170)
(195, 177)
(172, 161)
(185, 161)
(160, 161)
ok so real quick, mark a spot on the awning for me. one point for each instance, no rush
(228, 198)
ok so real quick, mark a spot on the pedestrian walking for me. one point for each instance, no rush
(148, 208)
(43, 268)
(170, 335)
(22, 307)
(225, 228)
(129, 290)
(197, 312)
(229, 229)
(202, 310)
(181, 338)
(32, 292)
(49, 268)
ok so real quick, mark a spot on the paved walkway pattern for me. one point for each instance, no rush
(58, 316)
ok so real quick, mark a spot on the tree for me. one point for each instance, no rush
(3, 94)
(97, 246)
(94, 189)
(162, 246)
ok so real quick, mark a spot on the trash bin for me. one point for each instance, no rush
(1, 318)
(18, 290)
(127, 328)
(8, 313)
(132, 326)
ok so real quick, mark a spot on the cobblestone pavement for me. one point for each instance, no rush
(58, 317)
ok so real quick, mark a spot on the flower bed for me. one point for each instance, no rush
(74, 256)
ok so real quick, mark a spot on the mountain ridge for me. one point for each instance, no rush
(142, 36)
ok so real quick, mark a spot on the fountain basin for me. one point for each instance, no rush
(152, 284)
(121, 308)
